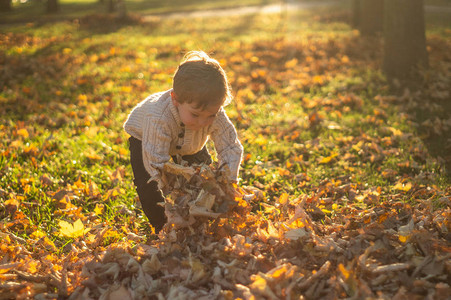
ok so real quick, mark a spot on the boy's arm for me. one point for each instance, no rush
(156, 142)
(227, 144)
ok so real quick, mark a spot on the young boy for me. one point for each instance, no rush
(179, 122)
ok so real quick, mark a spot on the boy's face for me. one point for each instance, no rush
(196, 118)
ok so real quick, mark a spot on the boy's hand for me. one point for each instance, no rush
(201, 157)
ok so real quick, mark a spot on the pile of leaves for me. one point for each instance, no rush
(193, 195)
(217, 245)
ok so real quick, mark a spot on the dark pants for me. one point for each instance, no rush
(149, 193)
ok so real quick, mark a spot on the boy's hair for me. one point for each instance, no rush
(200, 79)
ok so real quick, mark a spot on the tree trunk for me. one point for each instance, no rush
(52, 6)
(368, 16)
(5, 5)
(121, 9)
(372, 16)
(405, 38)
(111, 6)
(355, 13)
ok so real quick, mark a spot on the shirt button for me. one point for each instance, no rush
(178, 147)
(181, 124)
(181, 135)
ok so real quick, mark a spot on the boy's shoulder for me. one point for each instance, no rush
(158, 97)
(156, 103)
(222, 120)
(222, 116)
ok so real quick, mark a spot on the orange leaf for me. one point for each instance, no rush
(283, 198)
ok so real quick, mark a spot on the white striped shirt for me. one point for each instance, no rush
(156, 122)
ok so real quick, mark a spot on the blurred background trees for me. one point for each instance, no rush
(405, 39)
(5, 5)
(368, 16)
(52, 6)
(402, 25)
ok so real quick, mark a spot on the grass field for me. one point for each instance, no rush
(312, 109)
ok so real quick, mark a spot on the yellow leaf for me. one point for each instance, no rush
(299, 158)
(23, 133)
(403, 238)
(93, 156)
(123, 151)
(284, 172)
(126, 69)
(291, 63)
(345, 59)
(396, 132)
(48, 244)
(12, 202)
(75, 230)
(79, 184)
(99, 209)
(259, 283)
(327, 159)
(318, 79)
(82, 100)
(343, 271)
(126, 89)
(326, 211)
(288, 164)
(37, 234)
(403, 187)
(283, 198)
(357, 147)
(32, 266)
(261, 140)
(277, 272)
(113, 234)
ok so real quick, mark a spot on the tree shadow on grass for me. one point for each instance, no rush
(430, 110)
(28, 80)
(109, 23)
(427, 99)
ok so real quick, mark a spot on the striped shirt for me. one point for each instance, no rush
(156, 122)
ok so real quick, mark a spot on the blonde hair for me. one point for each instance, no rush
(200, 79)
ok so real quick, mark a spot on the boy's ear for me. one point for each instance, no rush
(174, 99)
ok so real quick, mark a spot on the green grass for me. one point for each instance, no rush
(305, 90)
(31, 11)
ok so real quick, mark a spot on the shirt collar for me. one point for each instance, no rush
(174, 111)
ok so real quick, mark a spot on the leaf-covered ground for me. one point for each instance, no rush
(344, 190)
